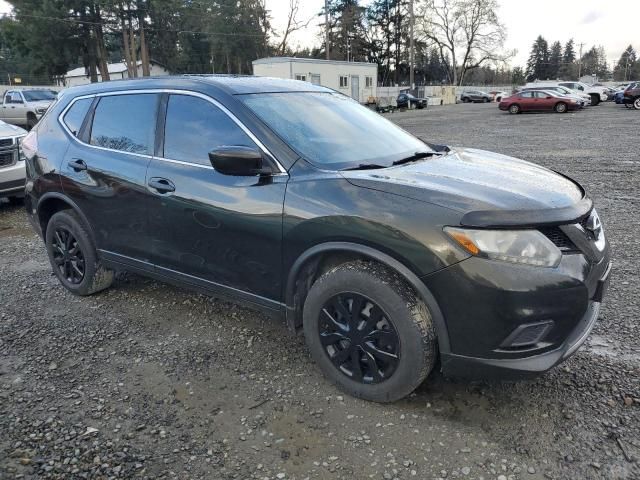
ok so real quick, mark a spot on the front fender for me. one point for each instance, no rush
(378, 256)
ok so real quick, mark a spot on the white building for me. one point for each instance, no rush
(356, 79)
(117, 71)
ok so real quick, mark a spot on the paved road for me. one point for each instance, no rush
(150, 381)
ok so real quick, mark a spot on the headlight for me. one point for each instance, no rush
(20, 152)
(528, 247)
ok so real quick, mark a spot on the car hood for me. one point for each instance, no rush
(41, 103)
(469, 180)
(8, 130)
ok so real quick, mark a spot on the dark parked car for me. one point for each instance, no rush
(539, 101)
(388, 252)
(632, 95)
(475, 96)
(406, 100)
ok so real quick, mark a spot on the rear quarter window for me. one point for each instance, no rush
(75, 115)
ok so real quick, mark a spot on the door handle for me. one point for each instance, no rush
(77, 164)
(162, 185)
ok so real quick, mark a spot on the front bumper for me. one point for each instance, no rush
(502, 299)
(12, 179)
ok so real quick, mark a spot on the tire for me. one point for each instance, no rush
(595, 99)
(62, 251)
(464, 100)
(14, 201)
(560, 107)
(636, 103)
(401, 364)
(514, 108)
(485, 100)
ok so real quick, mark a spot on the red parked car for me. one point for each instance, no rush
(538, 101)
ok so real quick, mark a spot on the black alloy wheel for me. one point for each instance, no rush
(359, 338)
(68, 256)
(369, 332)
(73, 255)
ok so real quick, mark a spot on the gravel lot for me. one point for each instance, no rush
(149, 381)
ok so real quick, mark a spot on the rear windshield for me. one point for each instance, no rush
(332, 130)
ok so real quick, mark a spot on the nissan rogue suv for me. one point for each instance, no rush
(391, 254)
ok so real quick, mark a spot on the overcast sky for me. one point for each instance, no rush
(592, 22)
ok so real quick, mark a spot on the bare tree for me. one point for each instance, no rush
(293, 24)
(467, 33)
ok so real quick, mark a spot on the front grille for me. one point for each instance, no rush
(6, 159)
(559, 239)
(6, 142)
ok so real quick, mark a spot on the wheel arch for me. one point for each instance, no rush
(54, 202)
(320, 258)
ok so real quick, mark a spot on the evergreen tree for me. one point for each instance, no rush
(538, 63)
(569, 69)
(518, 76)
(347, 31)
(594, 62)
(555, 60)
(626, 66)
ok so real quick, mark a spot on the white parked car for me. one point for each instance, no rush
(12, 169)
(597, 94)
(582, 98)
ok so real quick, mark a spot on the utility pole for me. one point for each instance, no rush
(326, 28)
(626, 68)
(580, 62)
(411, 46)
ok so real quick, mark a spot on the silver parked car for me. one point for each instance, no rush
(12, 169)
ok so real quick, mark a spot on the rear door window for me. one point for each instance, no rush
(75, 115)
(195, 126)
(126, 123)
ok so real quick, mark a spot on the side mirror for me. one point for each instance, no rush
(238, 160)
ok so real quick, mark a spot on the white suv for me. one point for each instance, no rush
(12, 169)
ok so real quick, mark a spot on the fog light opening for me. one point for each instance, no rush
(527, 335)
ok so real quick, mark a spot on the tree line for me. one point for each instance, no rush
(563, 62)
(455, 41)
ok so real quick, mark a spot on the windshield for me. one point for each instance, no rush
(37, 95)
(332, 130)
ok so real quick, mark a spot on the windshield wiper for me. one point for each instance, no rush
(367, 166)
(416, 156)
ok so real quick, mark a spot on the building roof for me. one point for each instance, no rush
(268, 60)
(112, 67)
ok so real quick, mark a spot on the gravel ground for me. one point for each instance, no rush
(149, 381)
